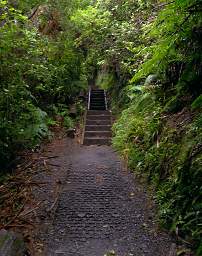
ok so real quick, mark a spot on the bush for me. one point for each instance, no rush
(36, 72)
(170, 158)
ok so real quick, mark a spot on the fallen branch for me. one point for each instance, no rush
(58, 190)
(19, 225)
(45, 157)
(34, 183)
(30, 211)
(55, 165)
(15, 217)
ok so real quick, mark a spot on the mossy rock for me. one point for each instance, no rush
(11, 244)
(151, 80)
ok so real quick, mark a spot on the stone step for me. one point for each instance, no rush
(97, 108)
(97, 141)
(98, 128)
(97, 94)
(98, 122)
(98, 117)
(98, 112)
(97, 105)
(90, 134)
(97, 100)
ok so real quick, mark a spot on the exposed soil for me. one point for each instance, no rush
(92, 206)
(180, 120)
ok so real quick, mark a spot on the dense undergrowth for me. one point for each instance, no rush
(146, 54)
(159, 133)
(165, 149)
(41, 74)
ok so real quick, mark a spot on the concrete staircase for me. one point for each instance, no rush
(98, 120)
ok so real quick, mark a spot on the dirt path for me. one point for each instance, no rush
(100, 206)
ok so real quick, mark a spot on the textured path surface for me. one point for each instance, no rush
(102, 208)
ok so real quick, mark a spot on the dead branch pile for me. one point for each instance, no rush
(16, 201)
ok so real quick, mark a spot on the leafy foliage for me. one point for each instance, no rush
(169, 157)
(119, 43)
(159, 131)
(36, 72)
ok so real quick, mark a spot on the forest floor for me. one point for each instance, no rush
(91, 205)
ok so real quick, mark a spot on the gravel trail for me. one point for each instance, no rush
(101, 209)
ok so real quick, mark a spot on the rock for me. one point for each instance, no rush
(106, 226)
(115, 215)
(111, 253)
(81, 214)
(151, 80)
(71, 133)
(11, 244)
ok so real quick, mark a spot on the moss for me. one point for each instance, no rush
(3, 239)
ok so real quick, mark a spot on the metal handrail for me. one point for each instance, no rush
(89, 94)
(105, 100)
